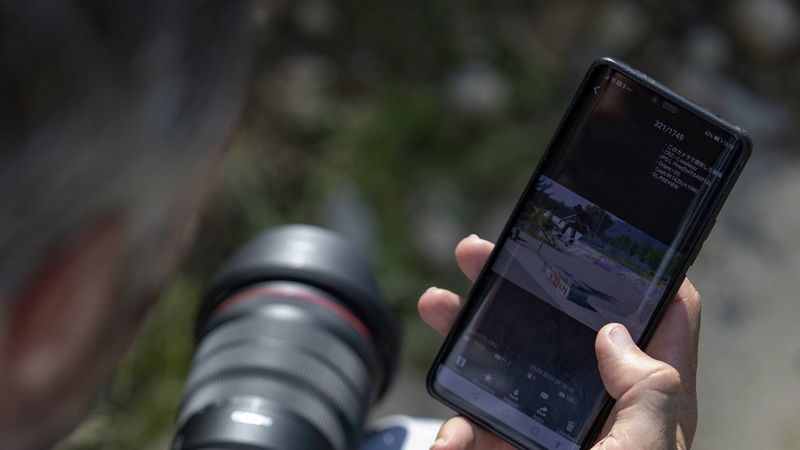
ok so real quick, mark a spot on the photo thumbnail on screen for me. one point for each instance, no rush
(585, 261)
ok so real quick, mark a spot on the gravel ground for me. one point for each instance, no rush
(749, 377)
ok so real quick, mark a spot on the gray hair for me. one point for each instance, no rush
(109, 107)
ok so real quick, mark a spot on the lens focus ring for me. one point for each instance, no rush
(298, 370)
(299, 359)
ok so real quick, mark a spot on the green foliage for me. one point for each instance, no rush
(390, 133)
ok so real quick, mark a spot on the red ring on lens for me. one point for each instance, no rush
(330, 305)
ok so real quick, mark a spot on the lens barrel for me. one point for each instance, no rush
(294, 346)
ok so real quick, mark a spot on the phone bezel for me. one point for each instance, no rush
(697, 235)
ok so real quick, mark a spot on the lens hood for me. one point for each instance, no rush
(319, 258)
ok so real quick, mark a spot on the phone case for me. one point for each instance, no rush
(699, 233)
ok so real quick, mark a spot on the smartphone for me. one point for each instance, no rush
(611, 220)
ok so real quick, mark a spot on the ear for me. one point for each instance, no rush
(58, 316)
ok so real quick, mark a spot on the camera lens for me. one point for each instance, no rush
(294, 346)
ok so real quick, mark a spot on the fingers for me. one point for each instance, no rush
(675, 341)
(678, 332)
(681, 321)
(648, 413)
(624, 366)
(439, 309)
(460, 434)
(471, 254)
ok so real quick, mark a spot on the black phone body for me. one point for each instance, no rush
(605, 231)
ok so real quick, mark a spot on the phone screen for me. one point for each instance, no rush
(599, 236)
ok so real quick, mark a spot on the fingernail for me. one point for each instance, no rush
(620, 337)
(431, 289)
(474, 236)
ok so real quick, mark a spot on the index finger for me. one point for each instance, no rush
(471, 255)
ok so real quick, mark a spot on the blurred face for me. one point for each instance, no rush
(120, 113)
(79, 313)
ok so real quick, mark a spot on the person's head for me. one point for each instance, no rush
(113, 116)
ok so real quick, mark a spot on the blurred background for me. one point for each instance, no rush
(410, 124)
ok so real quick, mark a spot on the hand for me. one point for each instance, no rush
(656, 402)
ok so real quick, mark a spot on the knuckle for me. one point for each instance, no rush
(696, 298)
(692, 301)
(666, 379)
(607, 443)
(692, 298)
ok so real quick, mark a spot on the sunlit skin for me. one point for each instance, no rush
(656, 405)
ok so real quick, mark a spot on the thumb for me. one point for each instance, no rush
(646, 391)
(625, 367)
